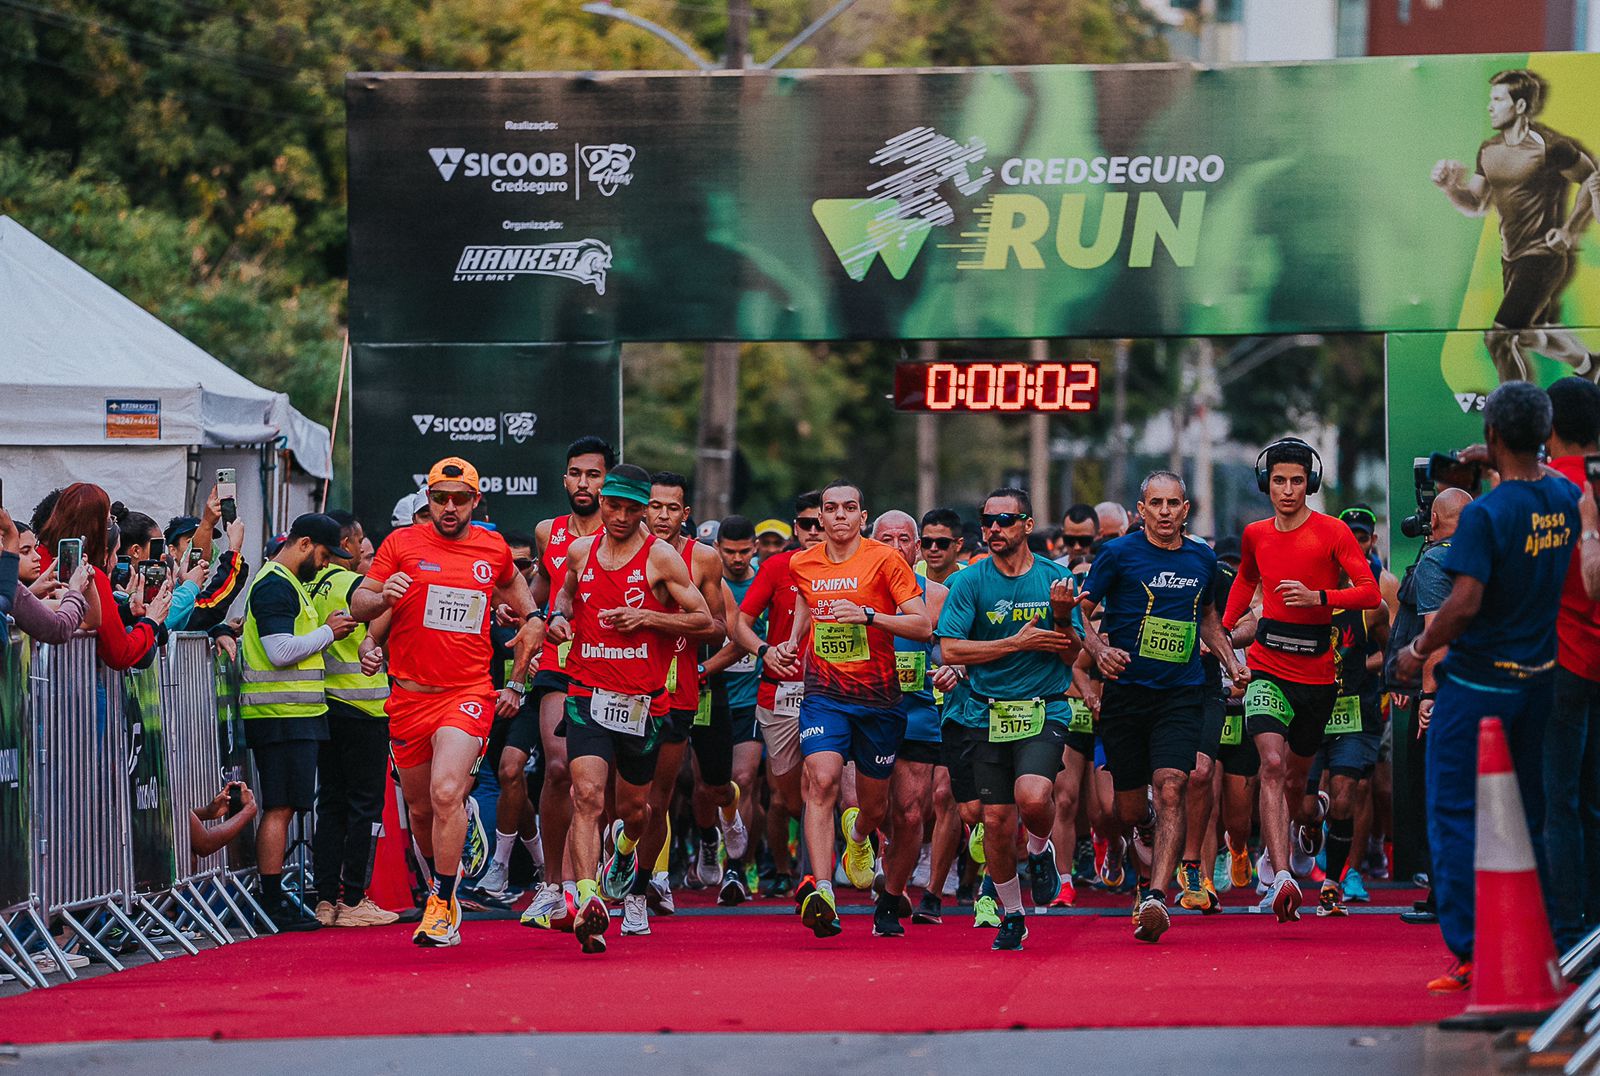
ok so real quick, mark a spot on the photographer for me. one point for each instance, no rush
(1572, 742)
(1508, 560)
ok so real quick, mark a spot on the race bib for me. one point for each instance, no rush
(1265, 697)
(1161, 639)
(672, 677)
(912, 668)
(454, 609)
(619, 713)
(702, 713)
(1015, 719)
(1233, 730)
(1082, 716)
(745, 665)
(786, 703)
(839, 643)
(1346, 716)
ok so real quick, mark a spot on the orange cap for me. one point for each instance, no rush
(454, 469)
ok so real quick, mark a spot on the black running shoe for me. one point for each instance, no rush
(1044, 880)
(777, 886)
(733, 891)
(1012, 933)
(886, 918)
(930, 911)
(289, 917)
(1083, 862)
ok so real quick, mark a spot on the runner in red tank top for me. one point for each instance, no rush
(1296, 558)
(556, 901)
(613, 607)
(693, 717)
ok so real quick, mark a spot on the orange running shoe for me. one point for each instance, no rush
(1457, 979)
(441, 923)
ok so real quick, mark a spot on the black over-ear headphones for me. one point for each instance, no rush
(1263, 472)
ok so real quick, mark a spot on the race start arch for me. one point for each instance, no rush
(508, 230)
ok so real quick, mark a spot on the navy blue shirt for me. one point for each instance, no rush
(1133, 580)
(1517, 541)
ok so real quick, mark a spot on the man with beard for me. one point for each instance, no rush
(282, 700)
(588, 461)
(440, 581)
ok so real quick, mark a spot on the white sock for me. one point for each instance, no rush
(570, 887)
(1010, 894)
(1037, 845)
(825, 886)
(503, 843)
(535, 847)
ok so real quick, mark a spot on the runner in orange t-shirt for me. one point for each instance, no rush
(440, 580)
(855, 596)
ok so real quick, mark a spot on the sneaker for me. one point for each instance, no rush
(289, 917)
(618, 872)
(566, 917)
(986, 911)
(441, 923)
(1309, 838)
(590, 925)
(1240, 872)
(707, 868)
(495, 883)
(635, 916)
(975, 844)
(1112, 874)
(1330, 901)
(923, 871)
(1221, 874)
(1196, 897)
(1457, 979)
(1065, 895)
(886, 918)
(820, 915)
(1151, 920)
(1013, 932)
(364, 914)
(735, 837)
(1216, 901)
(48, 965)
(325, 913)
(1083, 861)
(858, 860)
(549, 900)
(1355, 890)
(1264, 872)
(658, 898)
(1300, 864)
(733, 890)
(476, 852)
(807, 886)
(1044, 879)
(777, 887)
(930, 910)
(1286, 898)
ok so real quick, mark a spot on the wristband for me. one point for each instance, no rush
(1324, 596)
(536, 614)
(1419, 655)
(1428, 696)
(556, 613)
(761, 651)
(518, 686)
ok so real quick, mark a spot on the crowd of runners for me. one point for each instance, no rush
(1111, 702)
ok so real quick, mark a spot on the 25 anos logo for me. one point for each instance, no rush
(608, 167)
(518, 425)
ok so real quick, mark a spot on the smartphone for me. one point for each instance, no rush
(69, 555)
(158, 548)
(228, 492)
(1591, 468)
(235, 799)
(121, 572)
(153, 573)
(196, 557)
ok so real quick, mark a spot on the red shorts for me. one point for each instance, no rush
(414, 716)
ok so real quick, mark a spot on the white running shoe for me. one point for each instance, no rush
(1300, 863)
(660, 895)
(924, 868)
(547, 902)
(635, 916)
(1263, 874)
(735, 837)
(495, 883)
(708, 871)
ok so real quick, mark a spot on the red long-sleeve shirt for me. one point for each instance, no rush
(119, 647)
(1317, 553)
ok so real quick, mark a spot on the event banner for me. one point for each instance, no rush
(1353, 196)
(1437, 385)
(16, 810)
(233, 751)
(508, 410)
(151, 806)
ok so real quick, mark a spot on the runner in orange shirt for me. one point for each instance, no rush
(855, 595)
(441, 579)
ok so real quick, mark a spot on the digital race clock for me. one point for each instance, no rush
(1048, 387)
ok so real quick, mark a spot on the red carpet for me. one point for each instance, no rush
(762, 973)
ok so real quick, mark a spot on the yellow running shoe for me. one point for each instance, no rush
(441, 923)
(1239, 868)
(858, 860)
(975, 844)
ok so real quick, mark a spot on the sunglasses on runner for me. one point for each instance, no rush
(522, 563)
(1003, 519)
(460, 498)
(1078, 540)
(938, 543)
(808, 524)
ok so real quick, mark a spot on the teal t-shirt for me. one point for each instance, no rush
(984, 605)
(743, 677)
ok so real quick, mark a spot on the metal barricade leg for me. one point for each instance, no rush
(188, 898)
(133, 930)
(1567, 1013)
(220, 885)
(88, 938)
(171, 928)
(27, 972)
(260, 913)
(1574, 959)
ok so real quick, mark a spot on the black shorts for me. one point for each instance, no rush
(1533, 286)
(1237, 759)
(996, 766)
(522, 728)
(633, 757)
(546, 681)
(712, 742)
(924, 751)
(1146, 729)
(286, 774)
(1082, 743)
(955, 755)
(1297, 712)
(744, 725)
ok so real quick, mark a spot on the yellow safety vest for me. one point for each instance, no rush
(266, 690)
(342, 661)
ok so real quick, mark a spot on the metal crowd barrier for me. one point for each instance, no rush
(98, 773)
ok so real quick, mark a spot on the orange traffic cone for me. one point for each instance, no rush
(1515, 972)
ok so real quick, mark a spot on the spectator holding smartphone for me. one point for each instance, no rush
(84, 511)
(228, 573)
(34, 617)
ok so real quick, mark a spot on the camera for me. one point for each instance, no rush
(1420, 523)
